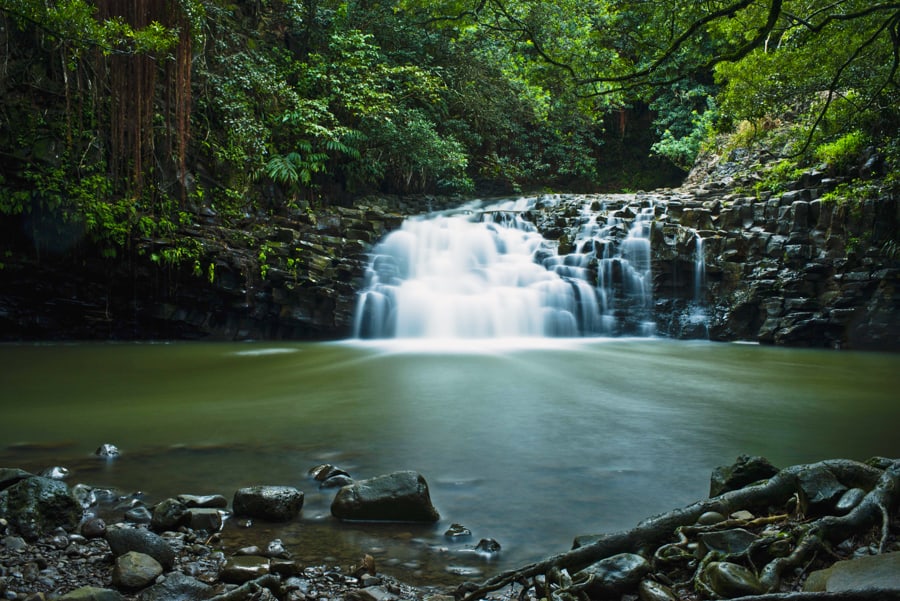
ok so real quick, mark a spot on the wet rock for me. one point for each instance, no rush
(177, 586)
(271, 503)
(650, 590)
(244, 568)
(614, 575)
(169, 514)
(730, 579)
(139, 515)
(36, 506)
(710, 517)
(9, 476)
(456, 531)
(276, 549)
(323, 472)
(92, 593)
(734, 541)
(203, 518)
(746, 470)
(94, 528)
(400, 496)
(203, 501)
(135, 570)
(107, 451)
(849, 500)
(488, 546)
(871, 572)
(55, 473)
(821, 489)
(122, 539)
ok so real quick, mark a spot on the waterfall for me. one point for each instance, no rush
(484, 271)
(698, 315)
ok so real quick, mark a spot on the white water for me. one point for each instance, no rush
(486, 272)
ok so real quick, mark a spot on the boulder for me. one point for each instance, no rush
(169, 514)
(270, 503)
(36, 506)
(397, 497)
(122, 539)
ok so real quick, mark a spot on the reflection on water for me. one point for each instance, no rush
(530, 444)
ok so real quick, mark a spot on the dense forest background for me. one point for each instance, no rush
(120, 119)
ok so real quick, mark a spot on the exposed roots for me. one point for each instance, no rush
(796, 529)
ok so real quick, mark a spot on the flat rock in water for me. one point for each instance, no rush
(271, 503)
(872, 572)
(398, 497)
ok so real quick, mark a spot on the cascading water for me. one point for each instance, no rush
(486, 272)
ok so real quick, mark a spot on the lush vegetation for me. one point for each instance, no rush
(122, 118)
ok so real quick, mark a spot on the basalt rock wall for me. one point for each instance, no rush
(788, 268)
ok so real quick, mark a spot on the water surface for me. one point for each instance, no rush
(531, 444)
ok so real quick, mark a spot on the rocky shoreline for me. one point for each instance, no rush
(829, 527)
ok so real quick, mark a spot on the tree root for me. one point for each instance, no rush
(812, 535)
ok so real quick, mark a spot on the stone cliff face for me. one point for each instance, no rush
(788, 268)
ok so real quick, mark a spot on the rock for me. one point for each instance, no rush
(203, 518)
(734, 541)
(746, 470)
(614, 575)
(244, 568)
(168, 514)
(92, 593)
(849, 500)
(204, 501)
(271, 503)
(488, 546)
(135, 570)
(107, 451)
(323, 472)
(122, 539)
(710, 517)
(399, 497)
(731, 580)
(457, 531)
(177, 587)
(276, 549)
(650, 590)
(871, 572)
(821, 489)
(93, 528)
(36, 506)
(139, 515)
(9, 476)
(55, 473)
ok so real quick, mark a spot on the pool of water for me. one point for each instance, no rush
(528, 444)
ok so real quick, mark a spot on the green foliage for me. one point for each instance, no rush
(844, 152)
(682, 147)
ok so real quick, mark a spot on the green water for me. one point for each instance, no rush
(529, 446)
